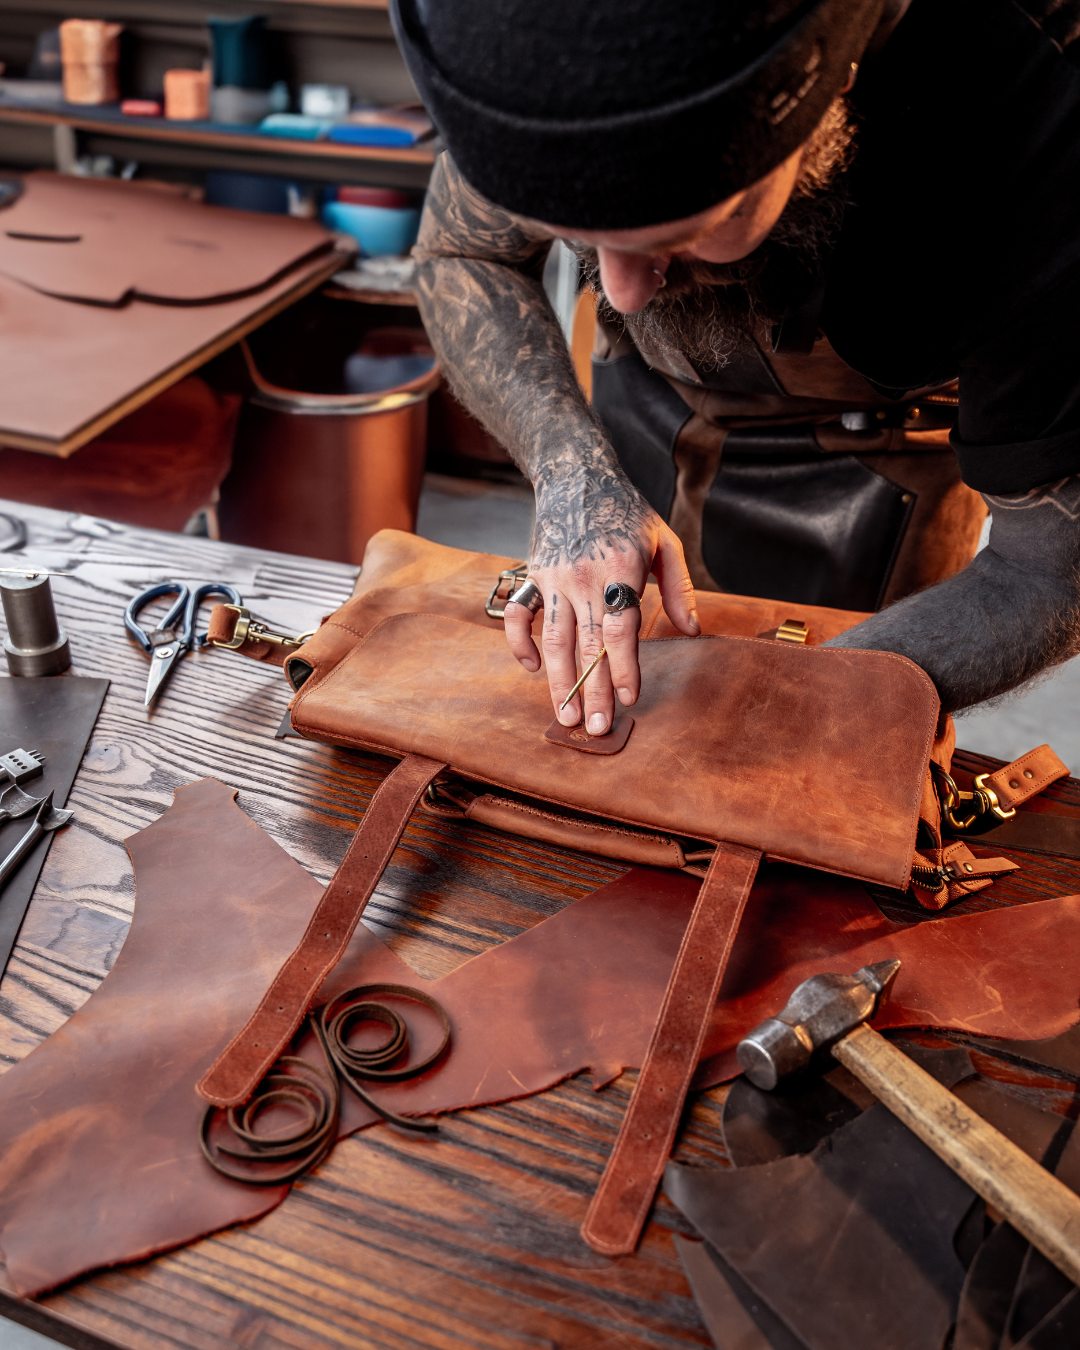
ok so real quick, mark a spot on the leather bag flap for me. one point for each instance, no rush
(813, 755)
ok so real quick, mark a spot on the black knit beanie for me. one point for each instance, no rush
(615, 114)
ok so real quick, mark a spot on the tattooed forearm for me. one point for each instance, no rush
(505, 356)
(1014, 612)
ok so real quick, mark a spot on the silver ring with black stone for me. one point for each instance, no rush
(530, 596)
(619, 596)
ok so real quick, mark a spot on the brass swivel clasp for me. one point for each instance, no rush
(972, 812)
(253, 629)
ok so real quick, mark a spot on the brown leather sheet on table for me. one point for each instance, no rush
(814, 755)
(106, 242)
(99, 1161)
(66, 364)
(977, 972)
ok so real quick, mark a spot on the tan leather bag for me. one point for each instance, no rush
(741, 745)
(817, 757)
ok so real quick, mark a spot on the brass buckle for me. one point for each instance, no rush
(792, 630)
(249, 628)
(985, 811)
(513, 579)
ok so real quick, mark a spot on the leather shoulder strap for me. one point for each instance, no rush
(625, 1194)
(245, 1060)
(1021, 780)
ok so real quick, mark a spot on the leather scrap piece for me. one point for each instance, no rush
(851, 1245)
(99, 1154)
(736, 1319)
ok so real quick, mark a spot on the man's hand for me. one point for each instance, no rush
(505, 355)
(593, 529)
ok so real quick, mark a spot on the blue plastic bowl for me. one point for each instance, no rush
(379, 230)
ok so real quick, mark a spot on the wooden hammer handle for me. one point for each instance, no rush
(1037, 1205)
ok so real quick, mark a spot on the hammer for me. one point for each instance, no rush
(830, 1012)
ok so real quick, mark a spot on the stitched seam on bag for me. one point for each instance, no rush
(576, 824)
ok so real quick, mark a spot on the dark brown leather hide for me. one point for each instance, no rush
(99, 1160)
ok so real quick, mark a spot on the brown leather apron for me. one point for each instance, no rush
(787, 475)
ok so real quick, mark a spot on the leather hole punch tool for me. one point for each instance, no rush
(830, 1012)
(175, 634)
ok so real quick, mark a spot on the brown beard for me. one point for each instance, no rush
(710, 311)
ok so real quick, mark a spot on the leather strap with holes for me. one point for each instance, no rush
(244, 1061)
(625, 1194)
(1026, 776)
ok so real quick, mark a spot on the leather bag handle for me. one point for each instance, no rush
(625, 1194)
(242, 1064)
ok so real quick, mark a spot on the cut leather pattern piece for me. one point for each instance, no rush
(773, 760)
(577, 738)
(128, 1180)
(135, 242)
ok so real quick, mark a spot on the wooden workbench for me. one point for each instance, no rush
(469, 1242)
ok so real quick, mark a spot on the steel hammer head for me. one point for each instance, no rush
(820, 1011)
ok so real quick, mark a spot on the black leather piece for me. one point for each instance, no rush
(762, 1127)
(816, 531)
(642, 416)
(736, 1318)
(54, 715)
(851, 1245)
(1059, 1330)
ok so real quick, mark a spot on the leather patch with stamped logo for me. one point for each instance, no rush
(577, 738)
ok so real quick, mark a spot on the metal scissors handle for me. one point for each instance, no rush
(166, 644)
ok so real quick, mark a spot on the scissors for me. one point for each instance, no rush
(168, 642)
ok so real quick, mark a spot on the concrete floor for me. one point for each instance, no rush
(497, 518)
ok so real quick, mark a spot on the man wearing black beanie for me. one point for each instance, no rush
(805, 220)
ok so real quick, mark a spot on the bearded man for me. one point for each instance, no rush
(836, 248)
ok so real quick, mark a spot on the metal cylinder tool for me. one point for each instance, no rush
(35, 643)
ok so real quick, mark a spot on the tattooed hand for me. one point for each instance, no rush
(505, 356)
(1014, 612)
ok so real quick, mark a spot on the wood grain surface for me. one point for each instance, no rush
(465, 1242)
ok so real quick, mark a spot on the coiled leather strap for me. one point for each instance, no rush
(276, 1158)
